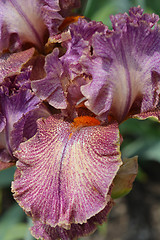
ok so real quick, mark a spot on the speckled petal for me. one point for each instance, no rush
(152, 114)
(66, 173)
(50, 88)
(46, 232)
(130, 56)
(12, 64)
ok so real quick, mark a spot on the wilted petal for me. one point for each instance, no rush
(122, 184)
(12, 64)
(66, 172)
(47, 232)
(67, 6)
(50, 88)
(130, 56)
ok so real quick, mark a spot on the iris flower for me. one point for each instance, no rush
(69, 167)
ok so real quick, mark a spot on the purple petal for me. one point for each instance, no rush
(129, 67)
(52, 18)
(50, 88)
(79, 45)
(66, 172)
(47, 232)
(15, 109)
(2, 122)
(150, 114)
(12, 64)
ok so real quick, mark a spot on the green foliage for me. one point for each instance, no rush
(141, 138)
(6, 177)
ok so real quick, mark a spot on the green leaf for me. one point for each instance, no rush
(16, 232)
(6, 177)
(11, 218)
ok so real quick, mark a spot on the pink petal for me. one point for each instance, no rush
(66, 172)
(13, 64)
(46, 232)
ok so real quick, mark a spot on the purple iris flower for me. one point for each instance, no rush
(69, 165)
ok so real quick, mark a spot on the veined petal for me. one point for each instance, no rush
(130, 56)
(12, 64)
(66, 172)
(43, 231)
(22, 17)
(50, 88)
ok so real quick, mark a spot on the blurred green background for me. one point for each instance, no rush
(136, 216)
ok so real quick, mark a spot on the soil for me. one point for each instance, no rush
(134, 217)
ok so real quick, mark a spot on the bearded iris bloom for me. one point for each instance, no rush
(68, 167)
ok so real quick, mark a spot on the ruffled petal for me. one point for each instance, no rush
(150, 114)
(51, 16)
(130, 57)
(79, 45)
(66, 172)
(50, 88)
(43, 231)
(12, 64)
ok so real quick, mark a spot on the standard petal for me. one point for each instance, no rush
(66, 173)
(46, 232)
(50, 88)
(79, 45)
(22, 17)
(130, 56)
